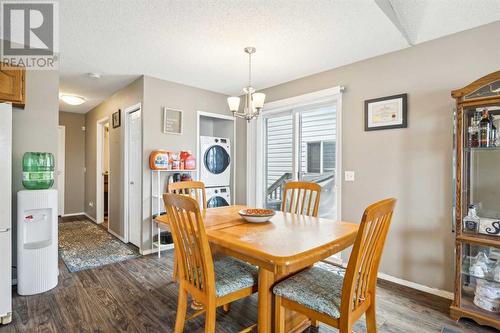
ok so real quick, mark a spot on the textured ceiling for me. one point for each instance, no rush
(200, 43)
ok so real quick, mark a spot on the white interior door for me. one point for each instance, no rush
(134, 177)
(61, 157)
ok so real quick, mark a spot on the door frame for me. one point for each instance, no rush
(60, 188)
(255, 141)
(125, 150)
(99, 197)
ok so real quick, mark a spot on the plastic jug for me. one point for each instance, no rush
(38, 170)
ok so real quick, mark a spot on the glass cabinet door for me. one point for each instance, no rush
(481, 279)
(481, 178)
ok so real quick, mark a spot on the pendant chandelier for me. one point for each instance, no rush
(253, 101)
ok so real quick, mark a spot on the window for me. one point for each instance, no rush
(320, 156)
(314, 157)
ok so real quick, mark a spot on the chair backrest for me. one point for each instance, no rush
(191, 243)
(190, 188)
(301, 198)
(360, 279)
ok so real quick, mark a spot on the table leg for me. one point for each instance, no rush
(266, 279)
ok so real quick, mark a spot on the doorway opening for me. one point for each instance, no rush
(300, 144)
(299, 138)
(102, 173)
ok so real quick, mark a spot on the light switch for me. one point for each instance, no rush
(349, 176)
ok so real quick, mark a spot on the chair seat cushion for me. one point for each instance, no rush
(316, 288)
(232, 275)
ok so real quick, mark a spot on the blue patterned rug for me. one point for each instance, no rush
(84, 245)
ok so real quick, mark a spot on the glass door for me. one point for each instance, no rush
(317, 129)
(301, 144)
(278, 157)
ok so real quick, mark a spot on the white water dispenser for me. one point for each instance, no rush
(37, 269)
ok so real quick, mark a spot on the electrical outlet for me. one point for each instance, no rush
(91, 204)
(349, 176)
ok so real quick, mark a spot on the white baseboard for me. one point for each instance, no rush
(90, 217)
(73, 214)
(413, 285)
(116, 235)
(150, 251)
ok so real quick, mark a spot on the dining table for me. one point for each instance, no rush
(286, 244)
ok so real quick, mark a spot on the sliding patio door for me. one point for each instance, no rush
(301, 144)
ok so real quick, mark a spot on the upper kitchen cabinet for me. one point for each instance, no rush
(12, 85)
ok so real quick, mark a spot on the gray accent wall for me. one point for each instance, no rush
(158, 94)
(128, 96)
(154, 94)
(74, 166)
(413, 164)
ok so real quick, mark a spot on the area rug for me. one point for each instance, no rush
(84, 245)
(447, 330)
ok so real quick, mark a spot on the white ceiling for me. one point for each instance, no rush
(200, 43)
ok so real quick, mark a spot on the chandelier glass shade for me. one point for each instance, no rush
(254, 101)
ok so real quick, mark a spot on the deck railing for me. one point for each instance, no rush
(274, 193)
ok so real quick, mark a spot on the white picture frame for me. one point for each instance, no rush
(172, 121)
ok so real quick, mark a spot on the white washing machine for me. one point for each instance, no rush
(218, 196)
(215, 166)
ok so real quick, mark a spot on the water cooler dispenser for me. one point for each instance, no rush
(37, 263)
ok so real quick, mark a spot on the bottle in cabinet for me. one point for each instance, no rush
(485, 130)
(471, 221)
(493, 131)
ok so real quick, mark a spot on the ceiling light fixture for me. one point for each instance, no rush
(254, 102)
(72, 99)
(94, 75)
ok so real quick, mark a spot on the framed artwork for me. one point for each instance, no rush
(172, 121)
(386, 112)
(116, 118)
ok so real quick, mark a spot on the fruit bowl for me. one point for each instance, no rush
(256, 215)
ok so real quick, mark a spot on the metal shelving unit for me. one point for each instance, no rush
(157, 207)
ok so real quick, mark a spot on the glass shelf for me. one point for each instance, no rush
(488, 276)
(468, 149)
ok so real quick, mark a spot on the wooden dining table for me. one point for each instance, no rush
(286, 244)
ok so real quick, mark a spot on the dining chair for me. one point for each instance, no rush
(340, 299)
(212, 282)
(192, 189)
(301, 198)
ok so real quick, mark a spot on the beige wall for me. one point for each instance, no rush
(158, 94)
(74, 163)
(414, 164)
(128, 96)
(34, 128)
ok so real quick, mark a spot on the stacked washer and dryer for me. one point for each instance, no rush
(215, 170)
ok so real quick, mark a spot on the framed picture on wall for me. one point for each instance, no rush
(172, 121)
(116, 118)
(386, 112)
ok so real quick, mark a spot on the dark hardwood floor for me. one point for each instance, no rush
(138, 296)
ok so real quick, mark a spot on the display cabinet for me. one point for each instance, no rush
(476, 214)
